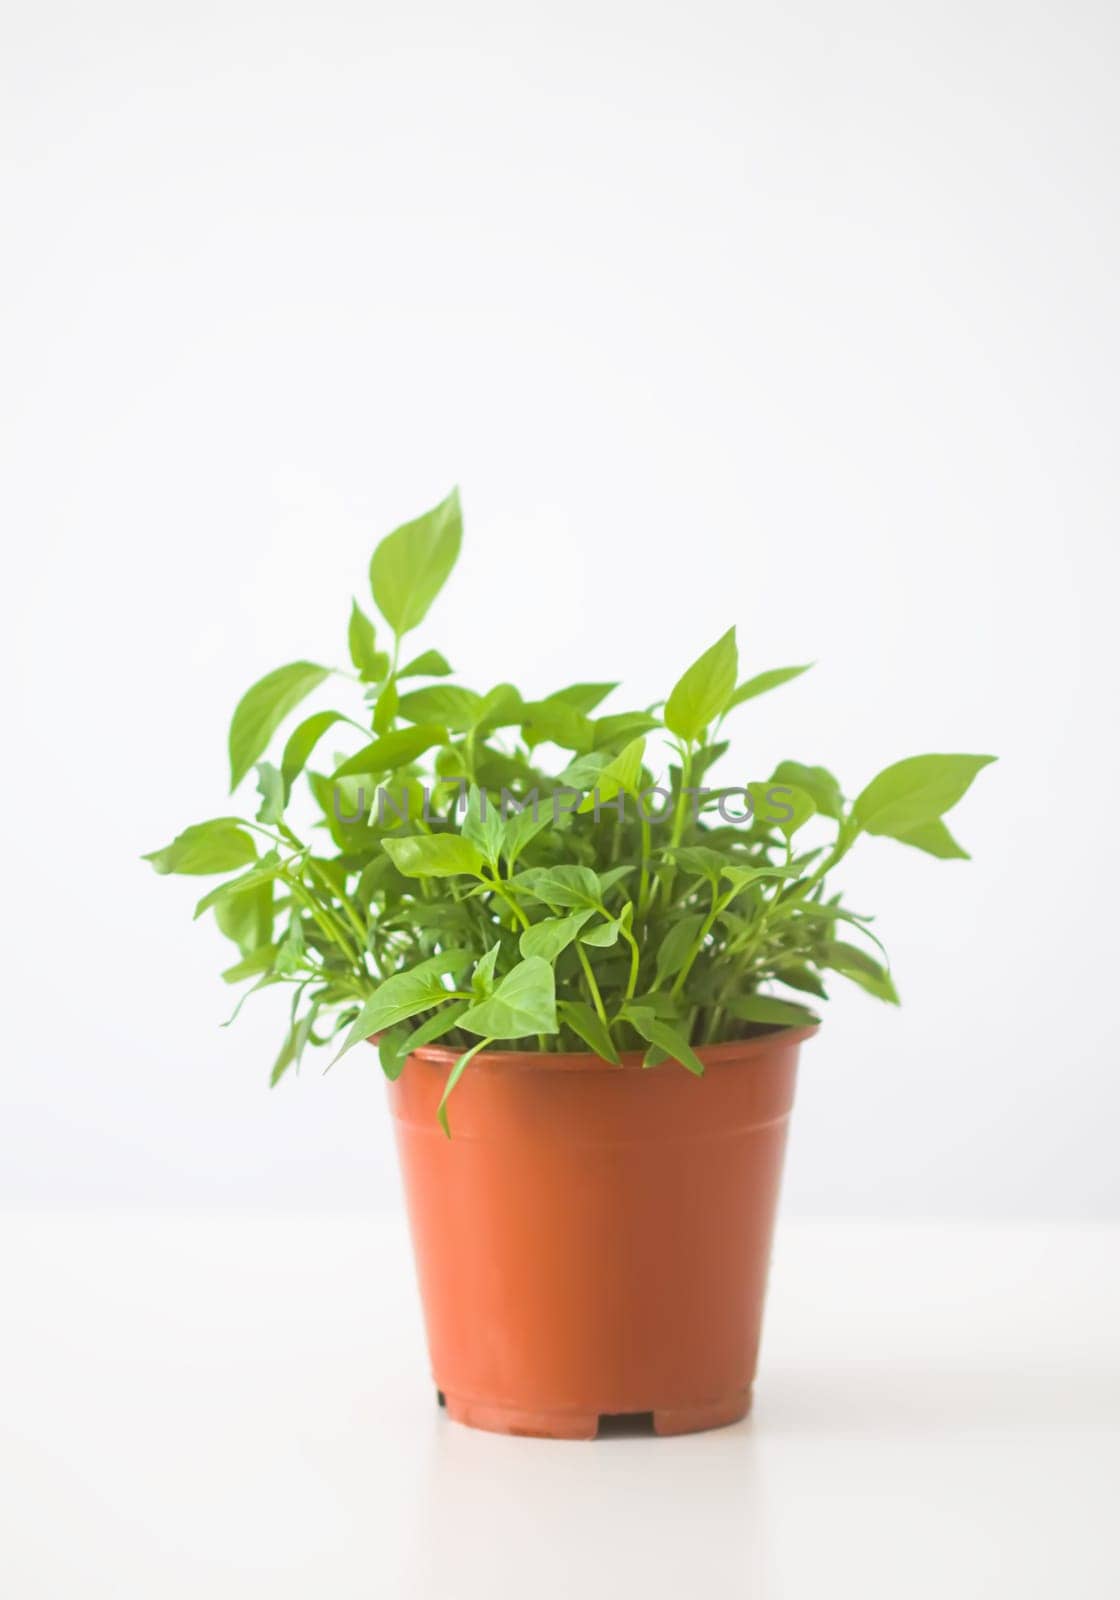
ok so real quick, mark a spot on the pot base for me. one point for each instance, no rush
(585, 1424)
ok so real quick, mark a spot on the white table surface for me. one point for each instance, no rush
(230, 1406)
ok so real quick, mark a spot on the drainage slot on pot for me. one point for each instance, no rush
(440, 1400)
(625, 1424)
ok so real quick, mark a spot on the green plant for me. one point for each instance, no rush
(429, 907)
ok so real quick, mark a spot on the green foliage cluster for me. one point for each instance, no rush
(422, 904)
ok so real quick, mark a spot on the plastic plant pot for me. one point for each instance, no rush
(593, 1241)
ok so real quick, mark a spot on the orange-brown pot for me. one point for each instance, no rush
(594, 1240)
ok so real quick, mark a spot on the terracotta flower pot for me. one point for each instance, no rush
(594, 1240)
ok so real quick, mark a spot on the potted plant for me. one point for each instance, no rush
(587, 964)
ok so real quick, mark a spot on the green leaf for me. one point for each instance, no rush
(704, 760)
(270, 787)
(662, 1005)
(453, 1077)
(781, 806)
(371, 663)
(291, 955)
(665, 1037)
(391, 751)
(266, 869)
(610, 732)
(284, 1060)
(397, 1044)
(677, 945)
(584, 696)
(385, 707)
(429, 664)
(252, 965)
(352, 799)
(798, 975)
(523, 1003)
(561, 886)
(333, 871)
(702, 694)
(766, 1008)
(857, 965)
(583, 770)
(451, 764)
(623, 773)
(764, 682)
(554, 722)
(482, 979)
(302, 741)
(403, 995)
(817, 782)
(613, 875)
(501, 707)
(434, 855)
(482, 824)
(207, 847)
(246, 918)
(603, 935)
(262, 709)
(291, 1052)
(834, 913)
(741, 878)
(915, 791)
(447, 703)
(699, 860)
(411, 565)
(546, 939)
(588, 1026)
(265, 982)
(521, 828)
(936, 840)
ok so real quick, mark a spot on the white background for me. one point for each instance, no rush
(801, 317)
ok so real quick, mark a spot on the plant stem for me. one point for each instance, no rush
(343, 900)
(683, 799)
(845, 839)
(333, 928)
(635, 960)
(596, 997)
(499, 887)
(679, 818)
(706, 927)
(326, 921)
(647, 851)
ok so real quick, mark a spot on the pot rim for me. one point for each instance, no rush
(730, 1050)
